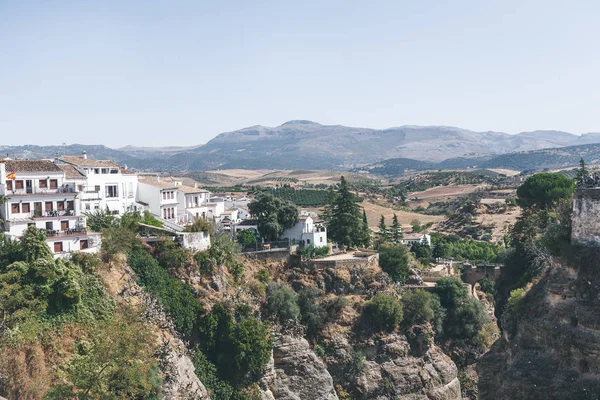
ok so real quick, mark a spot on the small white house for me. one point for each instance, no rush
(162, 198)
(306, 232)
(422, 238)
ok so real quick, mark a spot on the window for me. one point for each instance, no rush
(80, 188)
(129, 189)
(307, 241)
(60, 205)
(105, 170)
(64, 225)
(164, 195)
(112, 191)
(97, 188)
(114, 171)
(84, 244)
(49, 206)
(53, 183)
(49, 226)
(58, 247)
(87, 206)
(25, 208)
(15, 208)
(43, 184)
(18, 184)
(9, 185)
(96, 170)
(321, 239)
(70, 205)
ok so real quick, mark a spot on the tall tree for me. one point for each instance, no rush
(582, 173)
(383, 232)
(396, 229)
(274, 215)
(366, 231)
(343, 216)
(543, 191)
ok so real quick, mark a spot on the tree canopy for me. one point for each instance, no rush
(345, 223)
(394, 261)
(274, 215)
(543, 191)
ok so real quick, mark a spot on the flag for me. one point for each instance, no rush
(12, 175)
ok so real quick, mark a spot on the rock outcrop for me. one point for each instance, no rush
(550, 348)
(392, 366)
(296, 373)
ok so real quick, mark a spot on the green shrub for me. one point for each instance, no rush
(176, 297)
(383, 312)
(417, 306)
(263, 275)
(282, 303)
(451, 291)
(394, 261)
(314, 315)
(486, 285)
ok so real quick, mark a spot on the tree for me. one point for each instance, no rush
(274, 215)
(116, 240)
(383, 312)
(451, 291)
(582, 173)
(282, 303)
(99, 220)
(394, 261)
(314, 314)
(345, 224)
(246, 237)
(396, 229)
(383, 233)
(366, 231)
(34, 246)
(417, 306)
(543, 191)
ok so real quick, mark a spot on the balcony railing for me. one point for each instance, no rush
(43, 214)
(39, 191)
(78, 231)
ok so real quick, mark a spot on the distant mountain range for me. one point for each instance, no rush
(309, 145)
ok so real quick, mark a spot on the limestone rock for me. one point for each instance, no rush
(550, 349)
(180, 380)
(296, 373)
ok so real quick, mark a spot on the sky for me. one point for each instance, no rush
(158, 73)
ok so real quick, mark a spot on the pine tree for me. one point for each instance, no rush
(366, 231)
(383, 233)
(582, 173)
(396, 229)
(344, 222)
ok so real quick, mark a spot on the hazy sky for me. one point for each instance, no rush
(179, 72)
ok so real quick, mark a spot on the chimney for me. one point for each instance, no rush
(195, 185)
(85, 155)
(157, 178)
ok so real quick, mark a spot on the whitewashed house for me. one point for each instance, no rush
(161, 197)
(103, 184)
(37, 192)
(306, 232)
(409, 238)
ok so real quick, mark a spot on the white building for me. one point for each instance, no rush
(103, 184)
(37, 193)
(306, 232)
(161, 197)
(422, 238)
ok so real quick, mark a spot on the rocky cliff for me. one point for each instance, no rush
(296, 373)
(550, 348)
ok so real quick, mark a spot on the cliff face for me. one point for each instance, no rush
(550, 348)
(296, 373)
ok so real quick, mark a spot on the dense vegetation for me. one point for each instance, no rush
(274, 215)
(452, 246)
(62, 335)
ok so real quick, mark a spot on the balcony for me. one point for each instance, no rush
(40, 191)
(55, 234)
(42, 214)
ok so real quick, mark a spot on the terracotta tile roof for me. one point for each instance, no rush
(31, 166)
(86, 162)
(161, 184)
(70, 171)
(190, 189)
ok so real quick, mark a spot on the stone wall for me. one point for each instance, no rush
(473, 273)
(586, 216)
(270, 255)
(198, 241)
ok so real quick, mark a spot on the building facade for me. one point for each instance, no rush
(306, 232)
(103, 184)
(37, 193)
